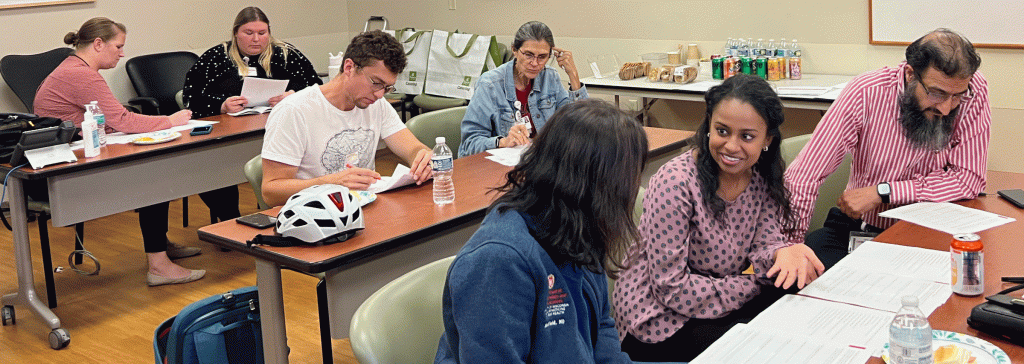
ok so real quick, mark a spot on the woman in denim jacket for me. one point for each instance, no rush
(513, 101)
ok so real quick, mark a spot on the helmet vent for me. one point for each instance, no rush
(315, 205)
(325, 223)
(288, 214)
(299, 222)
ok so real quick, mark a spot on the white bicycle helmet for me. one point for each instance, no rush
(320, 213)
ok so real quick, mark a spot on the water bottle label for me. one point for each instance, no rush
(441, 164)
(100, 119)
(797, 53)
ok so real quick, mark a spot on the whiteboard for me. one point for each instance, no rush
(986, 23)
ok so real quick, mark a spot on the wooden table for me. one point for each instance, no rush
(404, 230)
(125, 177)
(1002, 258)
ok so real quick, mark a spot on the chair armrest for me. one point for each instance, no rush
(145, 105)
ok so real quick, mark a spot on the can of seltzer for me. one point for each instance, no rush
(762, 67)
(728, 67)
(717, 71)
(968, 264)
(773, 69)
(795, 68)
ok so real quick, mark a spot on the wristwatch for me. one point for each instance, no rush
(884, 190)
(497, 142)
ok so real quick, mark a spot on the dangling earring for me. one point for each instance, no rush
(766, 148)
(709, 135)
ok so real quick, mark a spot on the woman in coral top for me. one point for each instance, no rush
(99, 44)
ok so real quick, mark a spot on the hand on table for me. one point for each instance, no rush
(181, 117)
(518, 134)
(421, 168)
(795, 263)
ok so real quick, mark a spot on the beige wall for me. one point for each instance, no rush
(834, 35)
(315, 27)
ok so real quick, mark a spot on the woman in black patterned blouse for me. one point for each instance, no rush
(214, 83)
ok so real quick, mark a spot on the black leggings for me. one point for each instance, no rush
(223, 202)
(697, 334)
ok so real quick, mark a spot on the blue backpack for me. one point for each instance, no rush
(219, 329)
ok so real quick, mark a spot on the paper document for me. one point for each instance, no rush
(802, 90)
(54, 154)
(746, 344)
(400, 178)
(947, 217)
(870, 277)
(252, 111)
(507, 156)
(122, 138)
(826, 321)
(259, 90)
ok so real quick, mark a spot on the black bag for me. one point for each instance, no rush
(1001, 315)
(12, 125)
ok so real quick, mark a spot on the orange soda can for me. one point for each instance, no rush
(968, 264)
(773, 69)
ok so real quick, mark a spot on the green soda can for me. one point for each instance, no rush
(716, 69)
(745, 65)
(762, 67)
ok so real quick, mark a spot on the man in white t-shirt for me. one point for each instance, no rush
(329, 133)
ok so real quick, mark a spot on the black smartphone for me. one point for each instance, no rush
(1015, 197)
(257, 220)
(200, 130)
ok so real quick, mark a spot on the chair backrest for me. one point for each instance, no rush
(254, 174)
(830, 189)
(401, 322)
(445, 122)
(160, 76)
(24, 73)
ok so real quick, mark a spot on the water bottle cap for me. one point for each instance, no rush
(910, 301)
(439, 140)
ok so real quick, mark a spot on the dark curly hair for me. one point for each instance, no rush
(377, 45)
(755, 92)
(578, 181)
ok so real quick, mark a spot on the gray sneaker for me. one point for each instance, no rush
(175, 251)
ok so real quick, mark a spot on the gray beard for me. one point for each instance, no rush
(924, 133)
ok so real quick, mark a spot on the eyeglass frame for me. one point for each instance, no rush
(377, 86)
(940, 96)
(533, 58)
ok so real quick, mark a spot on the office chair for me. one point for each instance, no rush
(830, 189)
(446, 123)
(401, 322)
(157, 79)
(253, 170)
(23, 74)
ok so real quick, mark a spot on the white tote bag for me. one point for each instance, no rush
(455, 63)
(417, 50)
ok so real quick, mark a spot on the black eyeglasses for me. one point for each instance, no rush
(538, 58)
(939, 96)
(377, 85)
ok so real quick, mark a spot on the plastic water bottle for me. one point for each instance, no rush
(441, 163)
(910, 336)
(101, 121)
(90, 135)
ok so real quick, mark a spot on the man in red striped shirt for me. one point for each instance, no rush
(917, 132)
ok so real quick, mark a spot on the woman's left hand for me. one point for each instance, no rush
(276, 99)
(567, 63)
(795, 263)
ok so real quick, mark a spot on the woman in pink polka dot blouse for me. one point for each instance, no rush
(708, 215)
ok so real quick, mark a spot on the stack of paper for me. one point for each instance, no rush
(844, 315)
(507, 156)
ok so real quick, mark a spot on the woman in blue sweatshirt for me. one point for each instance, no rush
(530, 285)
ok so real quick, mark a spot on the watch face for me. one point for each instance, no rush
(883, 189)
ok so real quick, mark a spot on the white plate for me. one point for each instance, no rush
(981, 349)
(157, 137)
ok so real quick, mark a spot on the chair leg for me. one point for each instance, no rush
(44, 246)
(184, 211)
(325, 322)
(79, 240)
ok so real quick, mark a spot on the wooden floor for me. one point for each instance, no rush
(111, 316)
